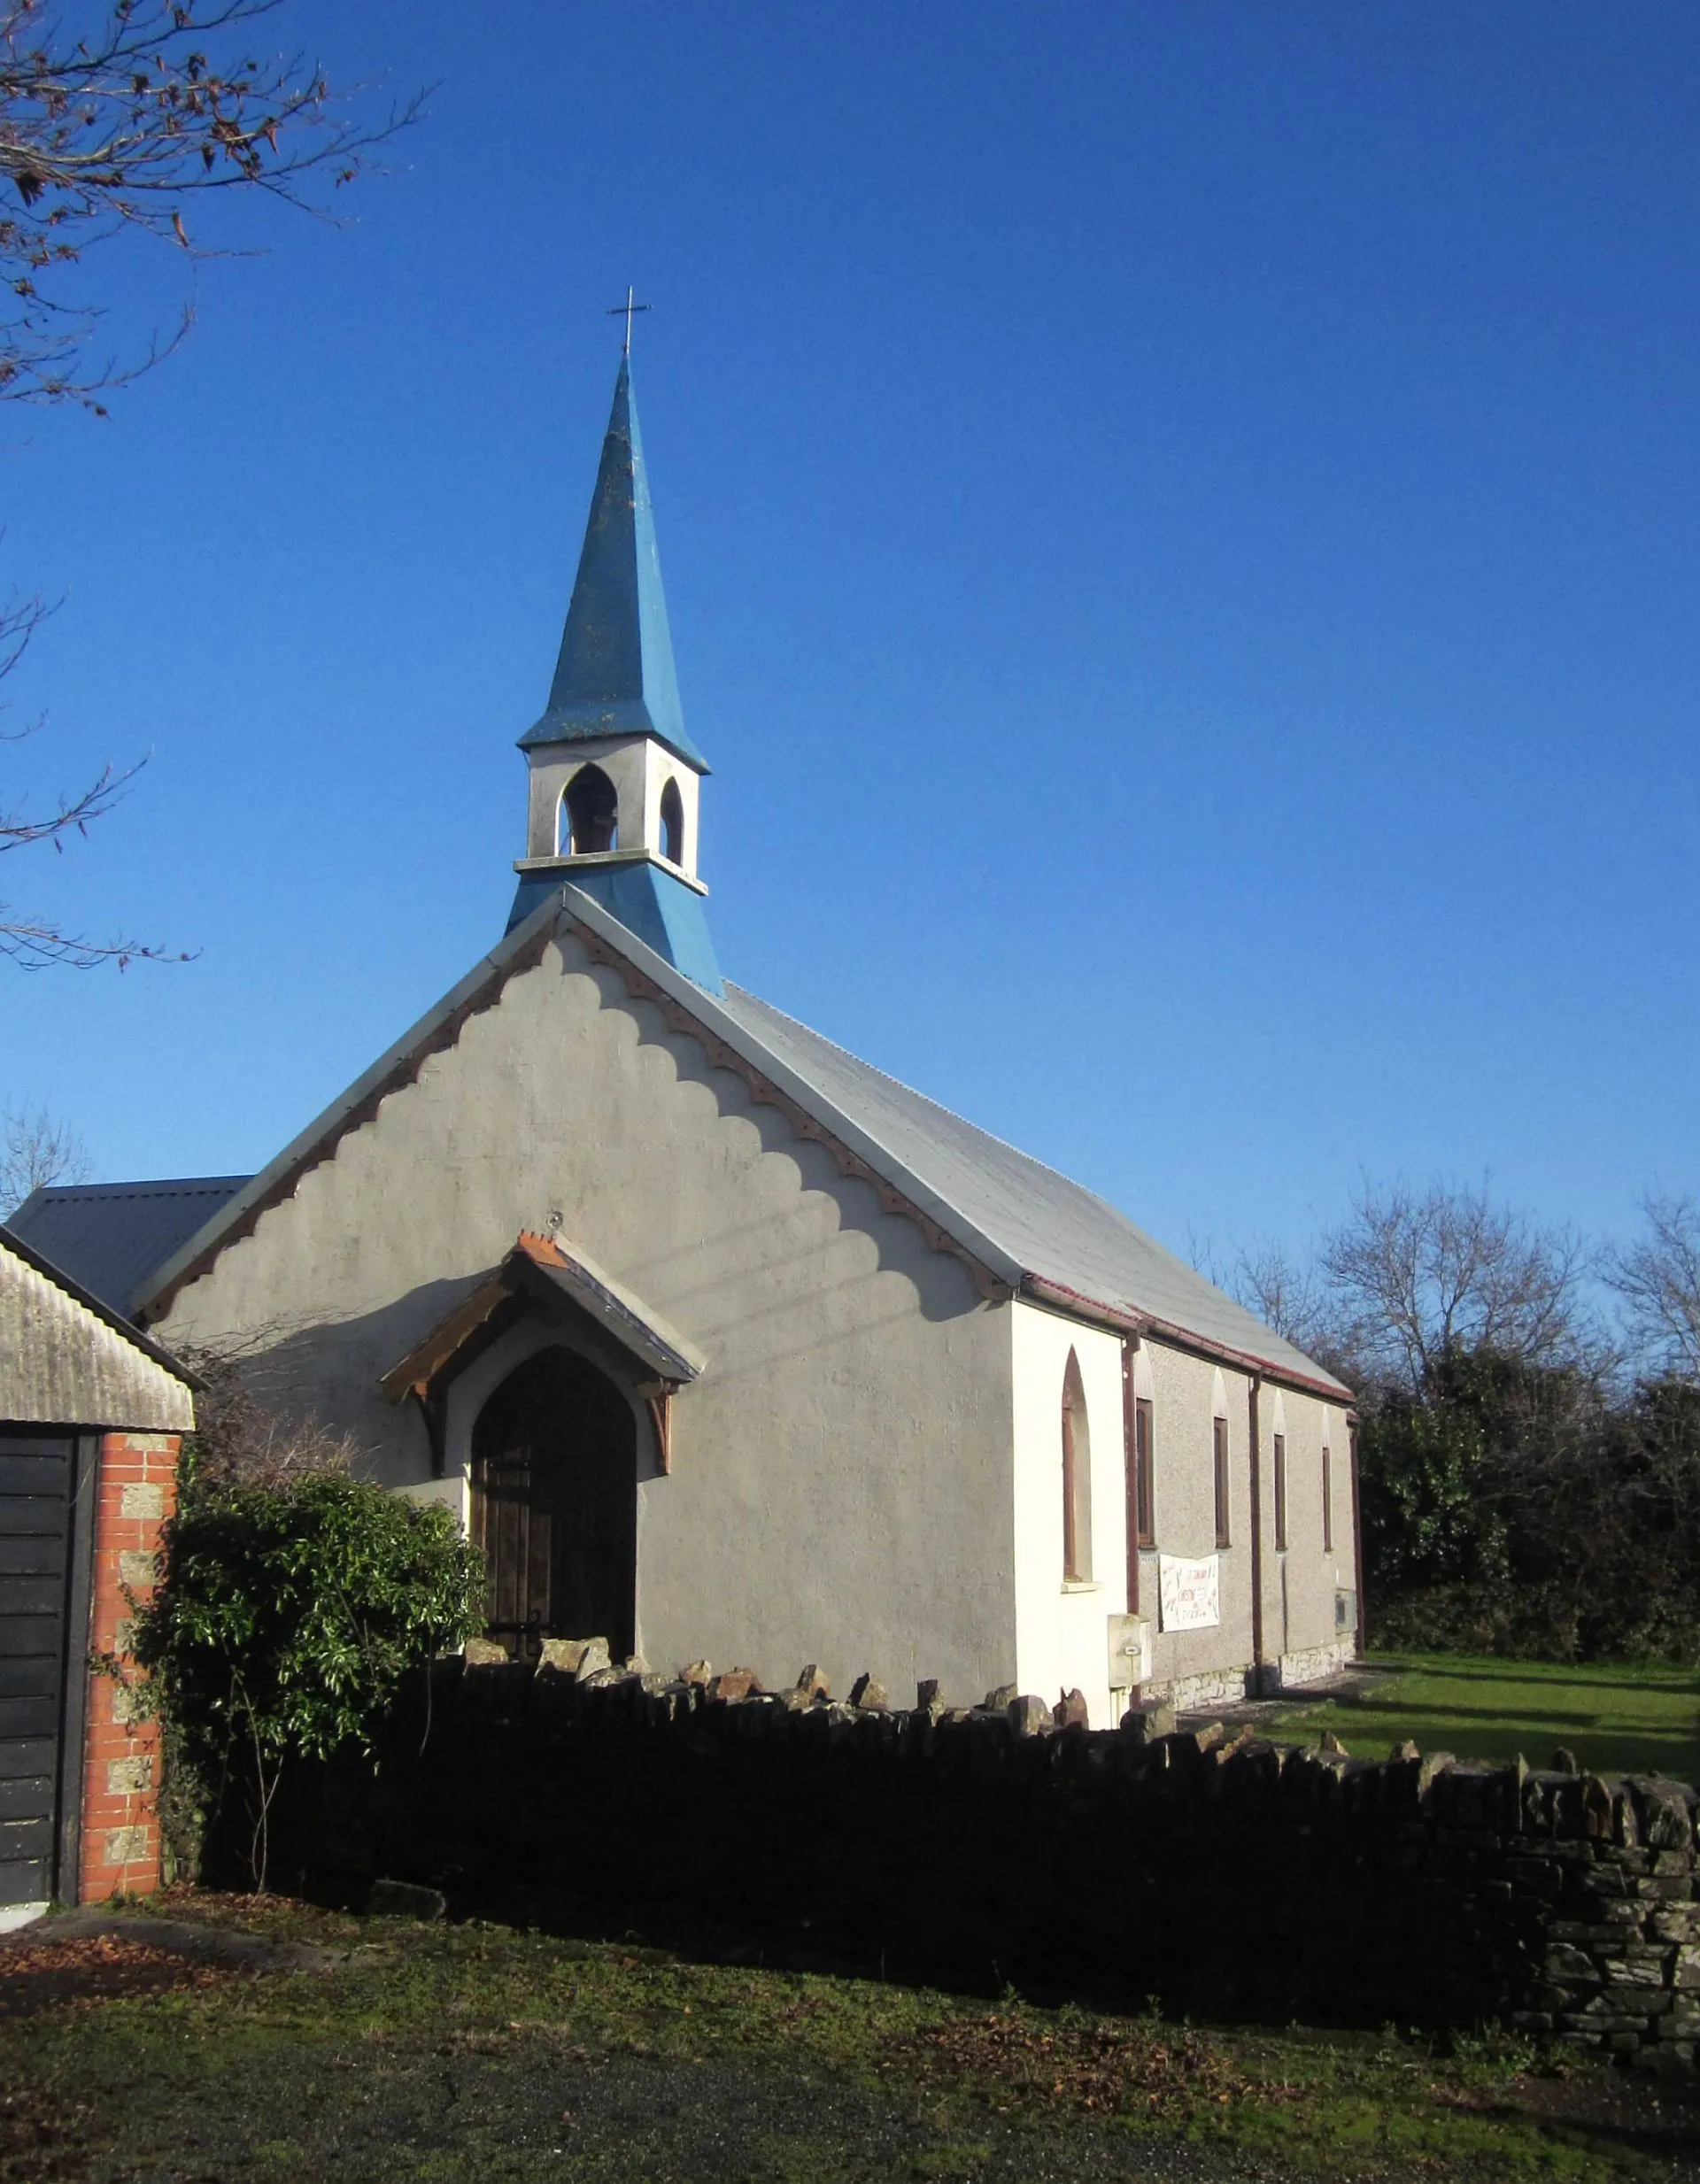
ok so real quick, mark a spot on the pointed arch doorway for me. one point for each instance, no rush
(554, 1504)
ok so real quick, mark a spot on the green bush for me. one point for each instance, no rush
(289, 1607)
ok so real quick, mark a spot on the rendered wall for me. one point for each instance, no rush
(1062, 1634)
(840, 1488)
(1184, 1505)
(1298, 1617)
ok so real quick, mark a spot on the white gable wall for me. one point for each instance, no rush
(841, 1481)
(1062, 1628)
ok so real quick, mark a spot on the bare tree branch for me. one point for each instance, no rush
(1658, 1279)
(115, 116)
(35, 1149)
(112, 121)
(38, 944)
(1288, 1295)
(1420, 1277)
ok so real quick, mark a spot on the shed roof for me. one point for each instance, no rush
(68, 1359)
(108, 1237)
(1027, 1227)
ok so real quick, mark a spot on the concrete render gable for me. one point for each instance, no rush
(724, 1041)
(840, 1471)
(1019, 1227)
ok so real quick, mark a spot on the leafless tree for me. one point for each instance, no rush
(1658, 1279)
(239, 1437)
(1418, 1275)
(1289, 1294)
(33, 942)
(113, 119)
(35, 1150)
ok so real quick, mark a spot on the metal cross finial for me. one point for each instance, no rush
(625, 310)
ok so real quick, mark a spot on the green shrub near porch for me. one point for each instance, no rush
(290, 1606)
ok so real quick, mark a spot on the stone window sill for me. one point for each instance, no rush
(1082, 1584)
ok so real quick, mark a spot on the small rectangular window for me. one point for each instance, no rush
(1281, 1494)
(1144, 1495)
(1223, 1537)
(1327, 1503)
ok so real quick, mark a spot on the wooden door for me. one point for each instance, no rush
(37, 1475)
(556, 1504)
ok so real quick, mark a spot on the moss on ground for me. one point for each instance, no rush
(468, 2051)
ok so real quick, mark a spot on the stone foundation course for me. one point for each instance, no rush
(1211, 1872)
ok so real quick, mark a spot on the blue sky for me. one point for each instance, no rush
(1180, 530)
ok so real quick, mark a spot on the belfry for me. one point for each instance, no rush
(615, 778)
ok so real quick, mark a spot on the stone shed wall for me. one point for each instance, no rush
(1223, 1876)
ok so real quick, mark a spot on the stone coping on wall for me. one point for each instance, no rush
(1219, 1869)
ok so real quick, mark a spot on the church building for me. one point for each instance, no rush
(722, 1342)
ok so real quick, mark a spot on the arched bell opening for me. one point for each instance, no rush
(673, 824)
(590, 814)
(554, 1504)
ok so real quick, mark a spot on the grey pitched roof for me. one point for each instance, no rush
(107, 1236)
(1029, 1227)
(1052, 1228)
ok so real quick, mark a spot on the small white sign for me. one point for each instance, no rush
(1189, 1592)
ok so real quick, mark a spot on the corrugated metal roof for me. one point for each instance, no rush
(1050, 1227)
(1013, 1215)
(66, 1359)
(109, 1236)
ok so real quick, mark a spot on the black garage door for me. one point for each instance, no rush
(39, 1604)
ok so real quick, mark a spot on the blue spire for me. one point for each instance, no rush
(615, 675)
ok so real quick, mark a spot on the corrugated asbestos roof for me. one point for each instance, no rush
(1050, 1227)
(108, 1237)
(68, 1359)
(1027, 1225)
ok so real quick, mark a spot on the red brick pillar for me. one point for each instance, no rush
(136, 1492)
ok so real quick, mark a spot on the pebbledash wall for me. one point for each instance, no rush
(119, 1832)
(1217, 1873)
(1308, 1585)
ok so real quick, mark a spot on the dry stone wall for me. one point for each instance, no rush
(1217, 1873)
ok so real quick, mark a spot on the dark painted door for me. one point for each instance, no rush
(36, 1476)
(556, 1504)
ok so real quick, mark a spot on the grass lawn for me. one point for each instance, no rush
(1618, 1719)
(477, 2052)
